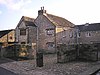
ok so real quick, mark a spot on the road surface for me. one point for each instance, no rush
(6, 72)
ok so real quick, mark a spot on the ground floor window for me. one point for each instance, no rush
(50, 44)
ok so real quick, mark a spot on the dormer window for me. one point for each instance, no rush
(50, 31)
(22, 31)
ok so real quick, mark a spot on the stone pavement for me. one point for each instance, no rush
(92, 69)
(51, 67)
(4, 71)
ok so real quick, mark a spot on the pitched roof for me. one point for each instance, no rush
(4, 32)
(59, 21)
(89, 27)
(27, 20)
(29, 23)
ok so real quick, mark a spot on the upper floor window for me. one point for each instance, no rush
(50, 31)
(11, 37)
(22, 31)
(88, 34)
(78, 35)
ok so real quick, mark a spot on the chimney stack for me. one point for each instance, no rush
(40, 12)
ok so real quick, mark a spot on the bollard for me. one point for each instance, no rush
(39, 60)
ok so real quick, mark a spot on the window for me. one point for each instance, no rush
(23, 43)
(50, 31)
(88, 34)
(10, 37)
(50, 44)
(22, 31)
(78, 35)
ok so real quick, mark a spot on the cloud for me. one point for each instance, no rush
(0, 12)
(28, 12)
(15, 4)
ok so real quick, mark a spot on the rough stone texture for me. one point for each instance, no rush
(51, 67)
(20, 38)
(30, 37)
(66, 53)
(87, 52)
(94, 38)
(67, 36)
(43, 38)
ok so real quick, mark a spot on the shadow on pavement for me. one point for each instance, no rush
(6, 72)
(5, 60)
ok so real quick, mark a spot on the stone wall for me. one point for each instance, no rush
(66, 53)
(87, 52)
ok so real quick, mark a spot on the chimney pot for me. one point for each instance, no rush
(41, 8)
(40, 12)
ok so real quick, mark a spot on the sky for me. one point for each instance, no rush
(76, 11)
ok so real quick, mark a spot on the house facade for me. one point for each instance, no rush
(67, 37)
(48, 26)
(88, 33)
(26, 35)
(6, 37)
(81, 41)
(46, 32)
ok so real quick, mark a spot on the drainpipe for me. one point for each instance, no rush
(28, 36)
(55, 40)
(37, 39)
(77, 43)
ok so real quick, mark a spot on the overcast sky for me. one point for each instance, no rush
(76, 11)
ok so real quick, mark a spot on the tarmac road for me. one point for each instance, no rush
(6, 72)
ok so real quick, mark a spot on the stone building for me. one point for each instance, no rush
(88, 33)
(67, 37)
(7, 38)
(25, 33)
(48, 26)
(81, 42)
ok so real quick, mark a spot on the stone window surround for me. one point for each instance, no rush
(50, 31)
(50, 44)
(22, 31)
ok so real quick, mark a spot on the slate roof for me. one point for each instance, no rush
(59, 21)
(29, 23)
(27, 20)
(4, 32)
(89, 27)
